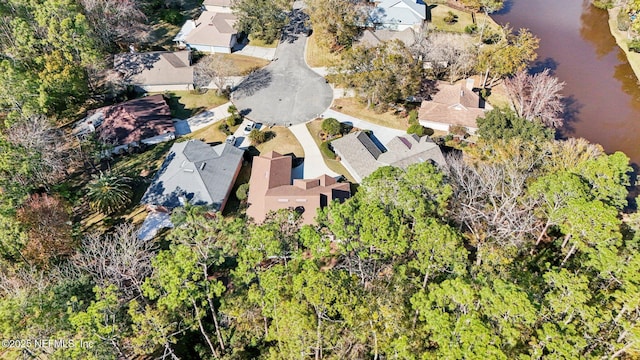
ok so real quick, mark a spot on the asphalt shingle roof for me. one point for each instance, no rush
(200, 173)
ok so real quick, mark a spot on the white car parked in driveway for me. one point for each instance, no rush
(252, 125)
(249, 127)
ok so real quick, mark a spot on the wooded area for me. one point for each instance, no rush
(523, 247)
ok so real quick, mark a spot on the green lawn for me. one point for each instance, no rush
(211, 133)
(185, 104)
(318, 56)
(464, 19)
(140, 168)
(315, 127)
(353, 107)
(261, 43)
(283, 142)
(243, 65)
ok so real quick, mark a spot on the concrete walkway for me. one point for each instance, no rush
(202, 120)
(314, 164)
(382, 133)
(257, 51)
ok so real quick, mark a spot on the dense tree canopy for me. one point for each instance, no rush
(383, 74)
(263, 19)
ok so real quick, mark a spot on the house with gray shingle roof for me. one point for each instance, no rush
(196, 173)
(361, 156)
(398, 14)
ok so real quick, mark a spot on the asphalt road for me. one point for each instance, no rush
(285, 92)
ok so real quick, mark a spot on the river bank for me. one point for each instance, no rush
(621, 39)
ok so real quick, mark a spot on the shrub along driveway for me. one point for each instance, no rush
(285, 92)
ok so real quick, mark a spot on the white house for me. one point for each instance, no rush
(212, 32)
(398, 14)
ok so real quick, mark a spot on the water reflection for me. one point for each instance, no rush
(603, 97)
(594, 23)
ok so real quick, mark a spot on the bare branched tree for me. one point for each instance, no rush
(119, 258)
(45, 144)
(447, 55)
(214, 69)
(116, 21)
(537, 97)
(489, 202)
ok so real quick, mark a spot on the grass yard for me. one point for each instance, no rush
(353, 107)
(211, 133)
(140, 168)
(318, 56)
(261, 43)
(243, 65)
(439, 12)
(233, 206)
(283, 142)
(185, 104)
(315, 127)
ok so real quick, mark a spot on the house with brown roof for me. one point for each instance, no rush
(271, 188)
(145, 120)
(361, 156)
(212, 32)
(452, 105)
(156, 71)
(221, 6)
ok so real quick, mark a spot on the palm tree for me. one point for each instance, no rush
(109, 192)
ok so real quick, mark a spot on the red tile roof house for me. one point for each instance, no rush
(156, 71)
(145, 120)
(271, 189)
(452, 105)
(212, 32)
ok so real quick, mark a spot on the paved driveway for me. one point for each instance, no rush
(285, 92)
(382, 133)
(314, 164)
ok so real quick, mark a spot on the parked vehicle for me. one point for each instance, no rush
(249, 127)
(231, 140)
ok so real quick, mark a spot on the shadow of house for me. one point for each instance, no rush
(361, 156)
(156, 71)
(272, 188)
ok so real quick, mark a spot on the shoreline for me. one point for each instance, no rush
(633, 58)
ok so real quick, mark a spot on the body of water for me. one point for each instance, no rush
(602, 91)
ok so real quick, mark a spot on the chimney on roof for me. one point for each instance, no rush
(470, 84)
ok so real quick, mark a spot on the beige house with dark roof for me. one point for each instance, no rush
(271, 188)
(452, 105)
(156, 71)
(212, 32)
(361, 156)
